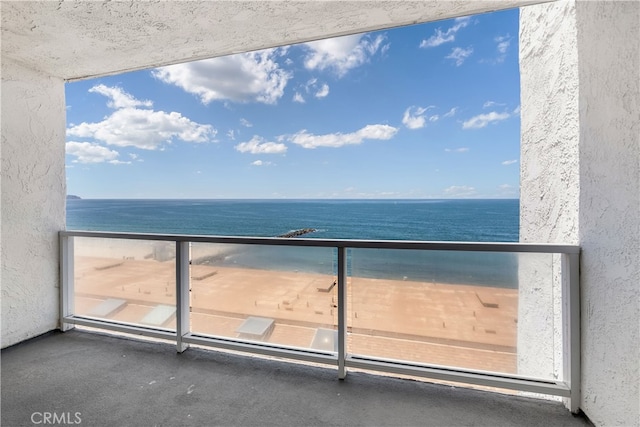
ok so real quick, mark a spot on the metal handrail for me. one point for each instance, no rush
(339, 243)
(568, 387)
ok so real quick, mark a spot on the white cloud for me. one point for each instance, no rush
(489, 104)
(260, 163)
(502, 47)
(459, 191)
(119, 98)
(245, 77)
(312, 87)
(413, 117)
(457, 150)
(451, 112)
(342, 54)
(459, 55)
(87, 152)
(379, 132)
(323, 91)
(483, 120)
(146, 129)
(516, 111)
(258, 145)
(441, 37)
(503, 43)
(231, 134)
(438, 38)
(509, 162)
(246, 123)
(142, 128)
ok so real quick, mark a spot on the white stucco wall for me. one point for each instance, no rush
(33, 200)
(549, 176)
(580, 179)
(85, 39)
(609, 63)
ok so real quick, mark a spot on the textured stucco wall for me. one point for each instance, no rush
(549, 176)
(609, 60)
(84, 39)
(580, 179)
(33, 200)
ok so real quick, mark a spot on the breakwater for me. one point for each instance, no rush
(297, 233)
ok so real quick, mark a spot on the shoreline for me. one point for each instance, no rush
(386, 318)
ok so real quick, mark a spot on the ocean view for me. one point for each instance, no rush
(425, 220)
(436, 220)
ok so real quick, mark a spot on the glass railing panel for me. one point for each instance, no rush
(278, 295)
(125, 280)
(451, 308)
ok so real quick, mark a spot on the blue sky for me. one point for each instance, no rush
(425, 111)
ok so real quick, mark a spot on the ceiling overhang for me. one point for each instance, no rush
(81, 39)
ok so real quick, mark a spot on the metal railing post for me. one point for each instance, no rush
(567, 387)
(571, 327)
(183, 318)
(66, 281)
(342, 312)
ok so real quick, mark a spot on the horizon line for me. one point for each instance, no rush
(75, 197)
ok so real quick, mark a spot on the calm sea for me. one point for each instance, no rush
(432, 220)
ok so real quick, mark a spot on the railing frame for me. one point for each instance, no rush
(568, 387)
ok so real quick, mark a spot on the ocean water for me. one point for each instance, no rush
(425, 220)
(438, 220)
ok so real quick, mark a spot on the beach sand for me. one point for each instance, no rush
(455, 325)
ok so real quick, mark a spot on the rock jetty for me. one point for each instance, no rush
(297, 233)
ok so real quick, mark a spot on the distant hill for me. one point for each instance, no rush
(72, 197)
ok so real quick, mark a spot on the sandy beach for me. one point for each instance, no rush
(457, 325)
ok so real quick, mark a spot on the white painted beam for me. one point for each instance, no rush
(82, 39)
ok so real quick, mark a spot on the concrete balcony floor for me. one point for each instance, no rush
(114, 381)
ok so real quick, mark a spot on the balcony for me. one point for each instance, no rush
(112, 381)
(466, 313)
